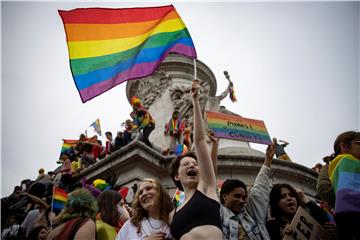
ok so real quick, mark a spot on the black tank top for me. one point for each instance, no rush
(199, 210)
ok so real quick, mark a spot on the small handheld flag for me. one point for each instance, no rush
(96, 126)
(59, 198)
(179, 197)
(109, 46)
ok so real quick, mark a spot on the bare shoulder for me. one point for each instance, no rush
(87, 231)
(55, 232)
(209, 192)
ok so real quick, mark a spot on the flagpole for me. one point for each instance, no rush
(195, 70)
(52, 207)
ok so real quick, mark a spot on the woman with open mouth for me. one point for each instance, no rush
(199, 215)
(243, 213)
(150, 219)
(284, 202)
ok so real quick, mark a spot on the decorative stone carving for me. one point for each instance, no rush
(181, 98)
(149, 90)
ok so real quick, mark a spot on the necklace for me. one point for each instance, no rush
(150, 228)
(161, 224)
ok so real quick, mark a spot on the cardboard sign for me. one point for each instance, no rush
(305, 227)
(238, 128)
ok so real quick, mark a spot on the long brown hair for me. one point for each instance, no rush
(164, 204)
(107, 202)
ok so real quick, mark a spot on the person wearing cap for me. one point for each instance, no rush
(142, 119)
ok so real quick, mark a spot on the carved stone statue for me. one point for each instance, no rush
(149, 90)
(213, 103)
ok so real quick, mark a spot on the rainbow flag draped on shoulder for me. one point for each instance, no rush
(109, 46)
(344, 172)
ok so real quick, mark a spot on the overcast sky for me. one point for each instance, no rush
(294, 65)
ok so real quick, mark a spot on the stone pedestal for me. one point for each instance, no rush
(163, 92)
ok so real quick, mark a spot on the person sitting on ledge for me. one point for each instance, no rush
(143, 119)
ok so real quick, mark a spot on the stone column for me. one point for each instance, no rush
(169, 89)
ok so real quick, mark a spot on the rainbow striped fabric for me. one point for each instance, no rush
(181, 149)
(109, 46)
(344, 172)
(59, 198)
(67, 144)
(238, 128)
(179, 197)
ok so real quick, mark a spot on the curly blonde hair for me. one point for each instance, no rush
(164, 204)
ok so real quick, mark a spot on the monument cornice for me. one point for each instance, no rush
(178, 66)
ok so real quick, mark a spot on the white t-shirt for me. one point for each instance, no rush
(148, 226)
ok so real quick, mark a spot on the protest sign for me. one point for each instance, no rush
(305, 227)
(238, 128)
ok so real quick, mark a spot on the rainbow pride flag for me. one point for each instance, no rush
(67, 144)
(344, 172)
(109, 46)
(238, 128)
(59, 198)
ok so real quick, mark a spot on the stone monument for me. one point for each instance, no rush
(166, 90)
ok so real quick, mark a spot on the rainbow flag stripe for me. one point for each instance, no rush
(67, 144)
(179, 197)
(109, 46)
(238, 128)
(59, 198)
(344, 172)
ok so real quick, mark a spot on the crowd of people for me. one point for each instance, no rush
(235, 211)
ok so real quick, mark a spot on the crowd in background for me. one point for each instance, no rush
(235, 211)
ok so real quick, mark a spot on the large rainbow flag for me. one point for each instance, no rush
(109, 46)
(344, 172)
(59, 198)
(238, 128)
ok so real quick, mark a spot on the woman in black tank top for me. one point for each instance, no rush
(199, 216)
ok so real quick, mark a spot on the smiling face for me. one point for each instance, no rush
(287, 203)
(188, 172)
(148, 195)
(235, 200)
